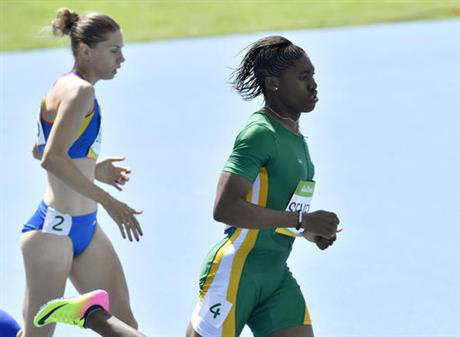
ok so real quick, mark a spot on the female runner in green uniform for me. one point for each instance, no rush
(245, 278)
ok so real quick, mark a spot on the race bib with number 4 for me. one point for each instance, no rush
(57, 223)
(300, 201)
(214, 310)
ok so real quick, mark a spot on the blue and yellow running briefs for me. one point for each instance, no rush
(80, 229)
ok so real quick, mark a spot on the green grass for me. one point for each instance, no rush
(21, 21)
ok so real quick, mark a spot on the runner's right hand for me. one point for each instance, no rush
(123, 215)
(320, 223)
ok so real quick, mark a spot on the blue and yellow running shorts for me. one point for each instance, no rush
(80, 229)
(241, 284)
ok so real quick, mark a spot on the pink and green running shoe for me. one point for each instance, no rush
(71, 310)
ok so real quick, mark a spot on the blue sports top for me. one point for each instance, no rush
(88, 141)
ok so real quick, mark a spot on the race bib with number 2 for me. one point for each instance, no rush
(57, 223)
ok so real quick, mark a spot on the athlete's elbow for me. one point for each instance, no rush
(223, 212)
(217, 214)
(48, 161)
(220, 213)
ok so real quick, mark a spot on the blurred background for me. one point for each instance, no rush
(22, 21)
(385, 140)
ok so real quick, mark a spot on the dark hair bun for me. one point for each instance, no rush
(64, 22)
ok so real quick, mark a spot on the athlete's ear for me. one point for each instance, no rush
(84, 51)
(272, 84)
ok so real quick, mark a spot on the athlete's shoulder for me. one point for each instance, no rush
(76, 87)
(260, 120)
(72, 88)
(257, 134)
(257, 143)
(257, 127)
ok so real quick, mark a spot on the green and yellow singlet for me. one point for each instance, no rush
(274, 159)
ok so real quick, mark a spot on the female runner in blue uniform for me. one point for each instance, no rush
(63, 239)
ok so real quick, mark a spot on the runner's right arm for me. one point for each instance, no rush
(254, 148)
(72, 109)
(232, 209)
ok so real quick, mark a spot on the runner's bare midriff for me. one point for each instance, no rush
(63, 198)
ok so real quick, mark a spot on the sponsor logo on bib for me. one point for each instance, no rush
(300, 202)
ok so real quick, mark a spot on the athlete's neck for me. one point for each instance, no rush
(84, 74)
(285, 116)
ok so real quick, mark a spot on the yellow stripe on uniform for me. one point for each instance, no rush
(85, 124)
(307, 319)
(243, 252)
(263, 194)
(249, 195)
(235, 275)
(91, 154)
(216, 262)
(285, 231)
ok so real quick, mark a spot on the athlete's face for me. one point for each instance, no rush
(297, 87)
(106, 56)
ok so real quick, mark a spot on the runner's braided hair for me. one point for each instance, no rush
(268, 56)
(89, 29)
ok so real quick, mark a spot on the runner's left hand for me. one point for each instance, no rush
(111, 174)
